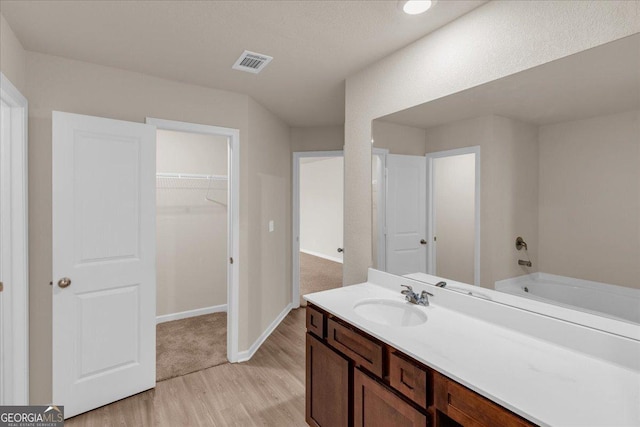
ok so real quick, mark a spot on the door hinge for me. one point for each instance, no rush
(231, 260)
(435, 239)
(1, 286)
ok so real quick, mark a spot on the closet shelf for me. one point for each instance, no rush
(192, 176)
(187, 181)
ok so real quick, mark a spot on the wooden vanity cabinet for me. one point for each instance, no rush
(355, 380)
(410, 379)
(328, 386)
(377, 406)
(469, 408)
(362, 350)
(316, 322)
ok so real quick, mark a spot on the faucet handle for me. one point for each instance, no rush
(407, 291)
(426, 293)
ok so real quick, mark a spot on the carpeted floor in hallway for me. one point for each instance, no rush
(318, 274)
(189, 345)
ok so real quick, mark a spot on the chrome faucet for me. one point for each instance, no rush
(414, 298)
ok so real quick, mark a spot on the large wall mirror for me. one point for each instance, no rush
(528, 185)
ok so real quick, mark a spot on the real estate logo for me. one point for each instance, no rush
(32, 416)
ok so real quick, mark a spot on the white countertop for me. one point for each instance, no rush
(548, 384)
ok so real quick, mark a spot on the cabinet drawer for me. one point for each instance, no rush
(409, 379)
(469, 408)
(315, 322)
(362, 350)
(375, 405)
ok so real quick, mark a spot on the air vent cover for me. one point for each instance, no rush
(252, 62)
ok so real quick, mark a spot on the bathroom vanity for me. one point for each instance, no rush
(351, 375)
(374, 360)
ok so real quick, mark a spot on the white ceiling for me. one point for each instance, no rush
(599, 81)
(315, 44)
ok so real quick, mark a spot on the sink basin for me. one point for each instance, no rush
(390, 312)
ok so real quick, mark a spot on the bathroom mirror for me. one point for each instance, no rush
(529, 185)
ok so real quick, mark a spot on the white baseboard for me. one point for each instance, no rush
(191, 313)
(243, 356)
(319, 255)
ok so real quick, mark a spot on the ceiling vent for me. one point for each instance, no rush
(252, 62)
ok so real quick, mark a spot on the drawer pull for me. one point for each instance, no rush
(406, 384)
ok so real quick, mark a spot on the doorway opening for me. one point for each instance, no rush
(378, 207)
(318, 197)
(195, 218)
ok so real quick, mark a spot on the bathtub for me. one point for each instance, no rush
(617, 302)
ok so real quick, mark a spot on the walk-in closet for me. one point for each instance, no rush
(192, 188)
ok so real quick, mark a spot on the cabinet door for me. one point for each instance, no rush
(374, 405)
(327, 394)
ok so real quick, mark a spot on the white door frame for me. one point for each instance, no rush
(381, 262)
(14, 335)
(233, 220)
(431, 249)
(295, 199)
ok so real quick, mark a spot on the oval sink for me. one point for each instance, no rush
(390, 313)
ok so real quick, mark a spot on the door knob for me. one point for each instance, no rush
(64, 282)
(340, 250)
(423, 242)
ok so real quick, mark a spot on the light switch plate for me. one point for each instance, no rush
(271, 226)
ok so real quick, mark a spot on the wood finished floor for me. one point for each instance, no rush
(268, 390)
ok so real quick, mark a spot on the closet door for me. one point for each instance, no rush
(104, 297)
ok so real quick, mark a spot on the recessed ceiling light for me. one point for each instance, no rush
(416, 7)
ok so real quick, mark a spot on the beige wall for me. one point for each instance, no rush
(191, 237)
(55, 83)
(590, 199)
(495, 40)
(398, 139)
(508, 187)
(322, 138)
(266, 195)
(513, 199)
(12, 56)
(321, 206)
(185, 152)
(454, 188)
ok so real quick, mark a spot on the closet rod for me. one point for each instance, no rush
(192, 176)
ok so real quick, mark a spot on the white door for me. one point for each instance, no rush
(14, 324)
(104, 243)
(406, 214)
(6, 364)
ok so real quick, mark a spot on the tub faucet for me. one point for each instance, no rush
(525, 263)
(414, 298)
